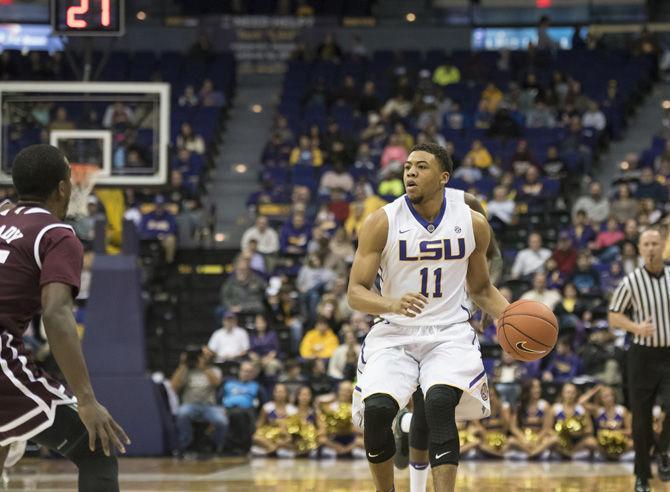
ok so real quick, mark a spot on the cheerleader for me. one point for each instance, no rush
(492, 431)
(614, 425)
(302, 426)
(336, 427)
(467, 437)
(271, 432)
(531, 422)
(572, 425)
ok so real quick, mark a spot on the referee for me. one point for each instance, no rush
(645, 293)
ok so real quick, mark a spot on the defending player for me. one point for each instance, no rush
(425, 248)
(40, 269)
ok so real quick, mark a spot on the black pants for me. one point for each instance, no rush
(648, 380)
(69, 437)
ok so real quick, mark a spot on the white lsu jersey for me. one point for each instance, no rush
(430, 258)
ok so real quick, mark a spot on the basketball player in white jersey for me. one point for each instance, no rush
(411, 429)
(426, 249)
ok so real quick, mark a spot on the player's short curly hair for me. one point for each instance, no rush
(440, 154)
(37, 170)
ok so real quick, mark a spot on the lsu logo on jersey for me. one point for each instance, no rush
(433, 250)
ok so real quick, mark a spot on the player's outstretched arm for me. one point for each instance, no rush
(371, 243)
(481, 290)
(61, 330)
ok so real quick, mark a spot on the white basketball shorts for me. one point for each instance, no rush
(395, 360)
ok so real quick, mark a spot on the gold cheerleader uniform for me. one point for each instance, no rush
(533, 422)
(609, 432)
(303, 432)
(338, 421)
(274, 430)
(465, 433)
(495, 436)
(570, 429)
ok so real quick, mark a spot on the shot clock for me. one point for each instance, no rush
(88, 17)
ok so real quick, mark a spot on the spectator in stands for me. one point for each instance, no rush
(61, 121)
(483, 116)
(190, 141)
(391, 184)
(160, 225)
(282, 129)
(336, 178)
(433, 135)
(264, 347)
(363, 164)
(264, 235)
(501, 208)
(553, 166)
(306, 154)
(292, 378)
(585, 278)
(565, 254)
(532, 259)
(544, 41)
(631, 230)
(347, 93)
(210, 97)
(230, 342)
(202, 48)
(594, 117)
(491, 97)
(369, 101)
(395, 152)
(319, 381)
(596, 205)
(312, 280)
(576, 97)
(468, 172)
(189, 98)
(118, 116)
(244, 290)
(507, 376)
(329, 50)
(606, 245)
(319, 342)
(196, 381)
(295, 235)
(396, 108)
(342, 364)
(522, 158)
(276, 152)
(581, 233)
(540, 116)
(570, 309)
(446, 74)
(241, 398)
(574, 143)
(649, 187)
(554, 278)
(454, 118)
(624, 206)
(630, 258)
(406, 139)
(191, 222)
(479, 155)
(531, 190)
(564, 365)
(540, 293)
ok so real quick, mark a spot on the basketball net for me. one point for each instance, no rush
(83, 177)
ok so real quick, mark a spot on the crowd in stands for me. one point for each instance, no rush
(300, 8)
(526, 144)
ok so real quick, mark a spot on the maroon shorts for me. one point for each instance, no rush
(28, 396)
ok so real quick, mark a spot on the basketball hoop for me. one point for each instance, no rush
(83, 177)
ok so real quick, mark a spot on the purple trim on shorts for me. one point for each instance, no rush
(479, 376)
(358, 389)
(419, 466)
(467, 311)
(363, 352)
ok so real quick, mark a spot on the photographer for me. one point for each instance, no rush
(196, 381)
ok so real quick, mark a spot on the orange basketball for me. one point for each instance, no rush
(527, 330)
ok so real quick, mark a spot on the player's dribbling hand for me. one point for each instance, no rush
(100, 424)
(646, 328)
(409, 305)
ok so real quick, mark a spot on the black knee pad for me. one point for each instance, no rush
(441, 401)
(418, 430)
(97, 472)
(380, 410)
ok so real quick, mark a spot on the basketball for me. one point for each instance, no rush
(528, 330)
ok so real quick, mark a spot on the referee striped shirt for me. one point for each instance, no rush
(647, 296)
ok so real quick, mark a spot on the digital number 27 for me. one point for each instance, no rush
(437, 289)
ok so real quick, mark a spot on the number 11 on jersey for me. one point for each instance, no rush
(437, 289)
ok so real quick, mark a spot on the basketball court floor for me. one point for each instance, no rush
(240, 475)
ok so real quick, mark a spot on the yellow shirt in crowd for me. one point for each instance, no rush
(317, 345)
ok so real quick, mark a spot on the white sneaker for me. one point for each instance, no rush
(285, 453)
(4, 480)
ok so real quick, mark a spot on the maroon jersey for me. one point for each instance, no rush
(35, 249)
